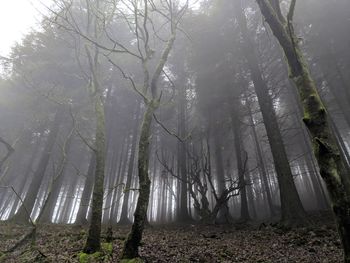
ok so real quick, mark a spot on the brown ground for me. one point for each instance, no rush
(193, 243)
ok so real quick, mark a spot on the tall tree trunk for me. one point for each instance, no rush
(133, 241)
(261, 163)
(93, 243)
(310, 159)
(181, 156)
(315, 118)
(291, 206)
(96, 93)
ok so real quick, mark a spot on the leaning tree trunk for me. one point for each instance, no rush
(23, 214)
(26, 174)
(54, 187)
(315, 118)
(131, 246)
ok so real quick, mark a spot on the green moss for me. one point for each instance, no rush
(83, 257)
(89, 258)
(107, 248)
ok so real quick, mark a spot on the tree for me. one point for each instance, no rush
(151, 97)
(315, 115)
(291, 206)
(92, 24)
(93, 242)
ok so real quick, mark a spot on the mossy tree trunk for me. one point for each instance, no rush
(152, 102)
(133, 241)
(93, 242)
(315, 118)
(140, 216)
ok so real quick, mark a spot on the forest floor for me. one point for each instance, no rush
(191, 243)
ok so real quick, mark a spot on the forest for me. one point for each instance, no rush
(177, 131)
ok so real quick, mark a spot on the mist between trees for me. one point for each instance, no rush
(156, 112)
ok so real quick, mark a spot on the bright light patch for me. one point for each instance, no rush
(16, 19)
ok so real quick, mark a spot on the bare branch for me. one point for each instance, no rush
(79, 134)
(291, 11)
(130, 79)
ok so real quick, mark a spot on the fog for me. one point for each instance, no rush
(162, 112)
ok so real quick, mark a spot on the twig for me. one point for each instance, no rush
(170, 132)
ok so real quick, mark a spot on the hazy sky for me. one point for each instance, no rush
(16, 18)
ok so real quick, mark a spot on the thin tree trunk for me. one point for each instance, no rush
(140, 216)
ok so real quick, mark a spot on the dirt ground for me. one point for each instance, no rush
(191, 243)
